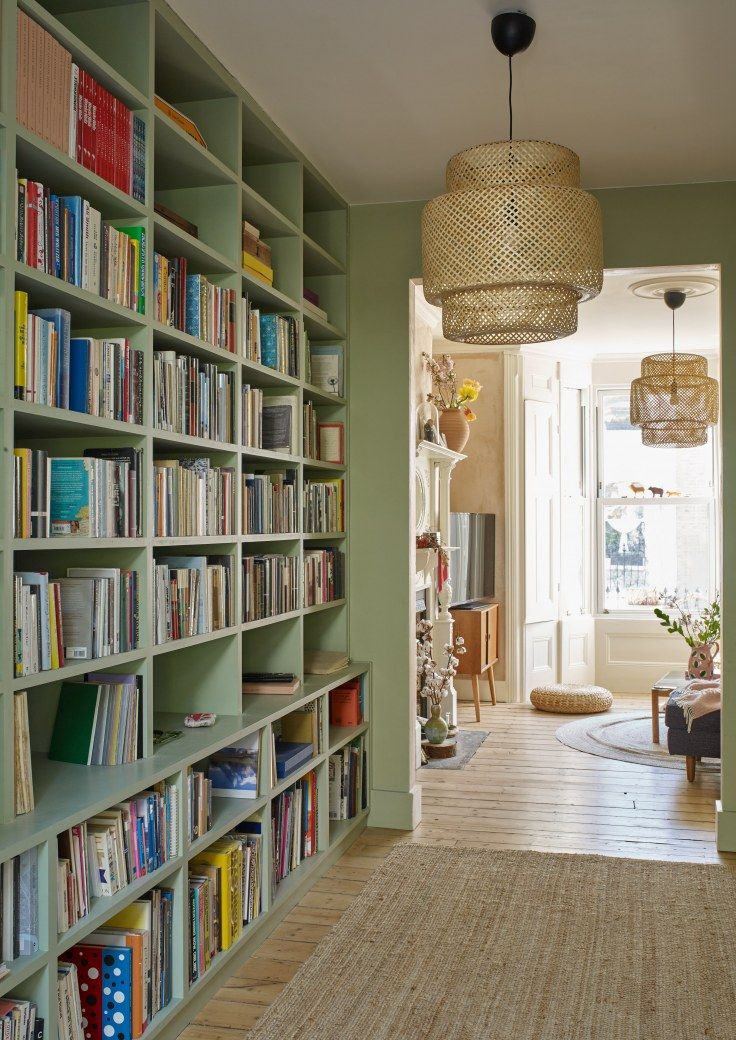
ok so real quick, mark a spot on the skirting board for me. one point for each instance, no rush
(465, 691)
(725, 828)
(396, 810)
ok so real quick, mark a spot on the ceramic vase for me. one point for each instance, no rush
(435, 728)
(701, 663)
(455, 429)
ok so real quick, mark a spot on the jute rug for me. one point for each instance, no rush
(468, 742)
(626, 736)
(469, 944)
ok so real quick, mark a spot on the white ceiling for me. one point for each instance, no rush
(618, 324)
(379, 93)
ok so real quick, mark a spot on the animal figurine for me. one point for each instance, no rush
(674, 494)
(656, 492)
(638, 489)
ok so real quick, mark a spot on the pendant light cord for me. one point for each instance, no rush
(673, 390)
(511, 110)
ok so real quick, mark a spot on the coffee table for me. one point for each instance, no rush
(663, 688)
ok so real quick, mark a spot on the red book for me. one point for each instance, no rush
(88, 960)
(345, 704)
(32, 204)
(82, 118)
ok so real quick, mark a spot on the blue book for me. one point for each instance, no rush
(69, 481)
(56, 268)
(73, 203)
(117, 992)
(79, 351)
(62, 322)
(193, 306)
(289, 756)
(269, 339)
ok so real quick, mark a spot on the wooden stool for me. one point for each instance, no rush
(478, 625)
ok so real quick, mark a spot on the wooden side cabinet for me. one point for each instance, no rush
(478, 625)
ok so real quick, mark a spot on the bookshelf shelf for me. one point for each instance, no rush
(342, 735)
(249, 171)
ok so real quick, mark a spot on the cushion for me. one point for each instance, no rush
(571, 698)
(674, 718)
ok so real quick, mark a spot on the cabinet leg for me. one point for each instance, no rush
(492, 684)
(690, 767)
(476, 697)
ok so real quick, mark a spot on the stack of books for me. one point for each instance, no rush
(99, 722)
(271, 339)
(192, 304)
(70, 1025)
(269, 502)
(66, 106)
(257, 259)
(96, 496)
(311, 304)
(347, 781)
(294, 825)
(252, 416)
(324, 505)
(132, 954)
(19, 935)
(106, 853)
(270, 585)
(192, 596)
(233, 771)
(279, 422)
(284, 684)
(19, 1020)
(92, 612)
(346, 704)
(192, 397)
(199, 803)
(102, 377)
(64, 236)
(24, 800)
(192, 497)
(324, 575)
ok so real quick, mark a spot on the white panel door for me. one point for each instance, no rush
(577, 649)
(540, 655)
(541, 512)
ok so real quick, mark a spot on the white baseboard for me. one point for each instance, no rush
(465, 691)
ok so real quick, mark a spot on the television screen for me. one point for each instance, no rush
(472, 560)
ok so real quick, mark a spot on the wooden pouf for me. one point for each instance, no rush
(447, 749)
(571, 698)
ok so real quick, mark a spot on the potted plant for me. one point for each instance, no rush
(453, 401)
(433, 681)
(700, 630)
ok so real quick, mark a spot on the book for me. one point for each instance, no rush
(233, 771)
(270, 585)
(192, 397)
(331, 442)
(193, 304)
(192, 596)
(313, 309)
(326, 367)
(257, 268)
(99, 721)
(324, 505)
(324, 575)
(176, 218)
(290, 755)
(279, 423)
(192, 497)
(19, 916)
(347, 784)
(24, 801)
(325, 662)
(269, 502)
(285, 689)
(184, 122)
(345, 704)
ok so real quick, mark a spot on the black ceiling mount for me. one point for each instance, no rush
(674, 298)
(512, 32)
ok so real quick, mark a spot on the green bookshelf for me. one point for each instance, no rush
(249, 171)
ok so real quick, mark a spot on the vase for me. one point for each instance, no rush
(455, 429)
(435, 728)
(701, 663)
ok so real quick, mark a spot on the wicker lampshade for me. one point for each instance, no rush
(514, 245)
(674, 400)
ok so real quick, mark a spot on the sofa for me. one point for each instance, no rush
(703, 740)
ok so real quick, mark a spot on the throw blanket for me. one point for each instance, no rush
(697, 698)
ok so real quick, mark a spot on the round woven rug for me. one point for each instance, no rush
(626, 736)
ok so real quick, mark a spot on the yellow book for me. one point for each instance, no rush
(257, 267)
(21, 342)
(24, 454)
(223, 854)
(53, 629)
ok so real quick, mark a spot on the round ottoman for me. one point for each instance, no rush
(571, 698)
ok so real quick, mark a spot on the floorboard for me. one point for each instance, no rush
(522, 790)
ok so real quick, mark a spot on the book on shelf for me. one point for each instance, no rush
(65, 236)
(104, 854)
(303, 726)
(19, 1019)
(270, 585)
(263, 687)
(331, 442)
(19, 919)
(62, 103)
(270, 339)
(294, 828)
(289, 755)
(176, 218)
(193, 304)
(90, 613)
(99, 722)
(346, 708)
(257, 268)
(326, 367)
(192, 397)
(70, 1021)
(192, 596)
(24, 800)
(311, 296)
(325, 662)
(324, 505)
(313, 309)
(192, 497)
(233, 771)
(254, 246)
(347, 781)
(199, 803)
(184, 122)
(269, 502)
(251, 416)
(279, 420)
(324, 575)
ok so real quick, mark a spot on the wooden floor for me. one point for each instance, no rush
(522, 790)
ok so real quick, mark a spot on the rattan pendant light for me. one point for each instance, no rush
(515, 245)
(674, 401)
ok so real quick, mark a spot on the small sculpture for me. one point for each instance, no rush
(638, 489)
(656, 492)
(674, 494)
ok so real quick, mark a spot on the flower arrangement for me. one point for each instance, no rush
(433, 681)
(447, 395)
(697, 629)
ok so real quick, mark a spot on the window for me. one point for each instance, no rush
(656, 515)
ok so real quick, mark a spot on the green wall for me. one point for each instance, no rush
(643, 227)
